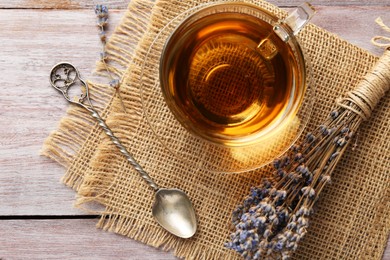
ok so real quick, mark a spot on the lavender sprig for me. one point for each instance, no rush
(275, 216)
(101, 12)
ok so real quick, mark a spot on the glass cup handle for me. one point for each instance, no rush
(296, 20)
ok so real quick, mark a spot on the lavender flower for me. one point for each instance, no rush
(101, 12)
(275, 216)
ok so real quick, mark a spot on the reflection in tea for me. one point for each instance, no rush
(225, 83)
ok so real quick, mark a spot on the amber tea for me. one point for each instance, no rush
(230, 77)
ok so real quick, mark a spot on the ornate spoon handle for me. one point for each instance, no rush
(123, 150)
(62, 77)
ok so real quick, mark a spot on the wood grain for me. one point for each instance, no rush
(358, 23)
(34, 38)
(122, 4)
(32, 41)
(69, 239)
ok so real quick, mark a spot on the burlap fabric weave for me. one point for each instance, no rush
(351, 220)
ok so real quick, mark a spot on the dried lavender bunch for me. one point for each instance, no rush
(274, 217)
(101, 12)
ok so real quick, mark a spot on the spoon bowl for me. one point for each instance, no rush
(173, 210)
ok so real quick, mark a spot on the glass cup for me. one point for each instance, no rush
(235, 78)
(232, 73)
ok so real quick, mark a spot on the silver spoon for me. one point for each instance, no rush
(172, 208)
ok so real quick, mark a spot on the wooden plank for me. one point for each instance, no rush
(63, 4)
(73, 239)
(69, 239)
(31, 43)
(386, 254)
(355, 24)
(122, 4)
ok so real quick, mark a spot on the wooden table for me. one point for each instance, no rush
(37, 219)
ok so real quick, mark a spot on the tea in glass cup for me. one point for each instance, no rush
(232, 73)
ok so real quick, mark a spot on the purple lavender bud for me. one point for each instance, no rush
(103, 56)
(278, 246)
(285, 161)
(334, 155)
(254, 192)
(282, 215)
(248, 202)
(98, 9)
(298, 157)
(243, 236)
(263, 244)
(344, 130)
(272, 192)
(341, 142)
(281, 173)
(281, 194)
(282, 238)
(294, 237)
(255, 242)
(302, 231)
(256, 223)
(101, 10)
(276, 163)
(241, 226)
(290, 245)
(267, 208)
(300, 212)
(308, 191)
(309, 179)
(295, 148)
(326, 132)
(252, 210)
(257, 255)
(245, 217)
(323, 129)
(302, 222)
(294, 176)
(238, 248)
(288, 234)
(291, 225)
(267, 184)
(267, 233)
(310, 137)
(334, 114)
(303, 170)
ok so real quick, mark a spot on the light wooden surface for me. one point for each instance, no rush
(37, 219)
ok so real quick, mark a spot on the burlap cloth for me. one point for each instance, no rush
(352, 218)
